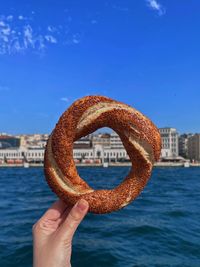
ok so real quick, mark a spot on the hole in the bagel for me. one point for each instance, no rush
(101, 159)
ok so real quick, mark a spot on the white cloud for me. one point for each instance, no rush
(65, 99)
(18, 38)
(51, 39)
(20, 17)
(2, 23)
(155, 5)
(75, 41)
(76, 38)
(6, 30)
(51, 28)
(9, 18)
(28, 36)
(16, 47)
(18, 34)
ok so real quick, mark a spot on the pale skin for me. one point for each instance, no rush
(53, 234)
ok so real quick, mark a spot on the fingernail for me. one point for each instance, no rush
(82, 204)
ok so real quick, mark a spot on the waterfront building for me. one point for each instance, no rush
(194, 147)
(84, 154)
(169, 138)
(183, 145)
(101, 139)
(100, 147)
(115, 141)
(34, 141)
(100, 153)
(21, 154)
(83, 142)
(8, 141)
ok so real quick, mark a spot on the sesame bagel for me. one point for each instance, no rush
(140, 138)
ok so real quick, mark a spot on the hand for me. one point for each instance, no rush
(53, 233)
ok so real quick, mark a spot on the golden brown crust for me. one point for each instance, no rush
(139, 135)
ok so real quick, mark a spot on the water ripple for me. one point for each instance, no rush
(160, 228)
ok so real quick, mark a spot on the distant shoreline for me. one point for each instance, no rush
(118, 164)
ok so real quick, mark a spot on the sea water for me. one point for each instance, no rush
(160, 228)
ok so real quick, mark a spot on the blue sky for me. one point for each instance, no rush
(144, 53)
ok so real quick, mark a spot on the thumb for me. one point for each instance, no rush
(73, 220)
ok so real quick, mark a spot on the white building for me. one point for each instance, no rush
(169, 138)
(97, 152)
(101, 139)
(23, 154)
(33, 141)
(83, 142)
(115, 141)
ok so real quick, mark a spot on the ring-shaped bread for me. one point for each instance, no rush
(140, 138)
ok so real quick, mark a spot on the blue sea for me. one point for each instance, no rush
(160, 228)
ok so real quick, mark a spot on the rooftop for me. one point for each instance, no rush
(6, 136)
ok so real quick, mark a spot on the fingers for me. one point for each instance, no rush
(63, 216)
(55, 211)
(74, 218)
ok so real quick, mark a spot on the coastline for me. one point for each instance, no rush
(117, 164)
